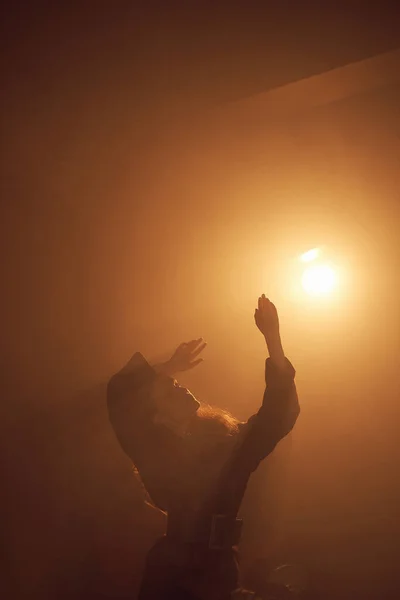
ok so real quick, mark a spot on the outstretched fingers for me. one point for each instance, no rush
(198, 350)
(193, 343)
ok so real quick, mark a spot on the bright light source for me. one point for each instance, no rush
(318, 280)
(310, 255)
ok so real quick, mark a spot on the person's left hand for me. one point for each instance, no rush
(185, 356)
(266, 318)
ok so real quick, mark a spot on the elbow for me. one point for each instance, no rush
(291, 417)
(295, 412)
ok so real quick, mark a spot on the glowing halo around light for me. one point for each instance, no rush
(318, 280)
(310, 255)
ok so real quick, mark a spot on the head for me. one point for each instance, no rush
(179, 410)
(175, 405)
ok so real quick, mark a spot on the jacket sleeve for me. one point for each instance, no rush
(129, 408)
(276, 417)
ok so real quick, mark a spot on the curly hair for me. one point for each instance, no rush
(218, 419)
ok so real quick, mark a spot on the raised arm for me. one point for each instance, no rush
(267, 321)
(280, 406)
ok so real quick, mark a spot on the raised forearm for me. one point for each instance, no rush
(275, 350)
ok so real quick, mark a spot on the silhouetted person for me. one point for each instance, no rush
(195, 461)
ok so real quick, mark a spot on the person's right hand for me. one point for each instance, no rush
(185, 356)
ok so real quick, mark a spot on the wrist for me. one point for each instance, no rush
(275, 348)
(273, 340)
(166, 368)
